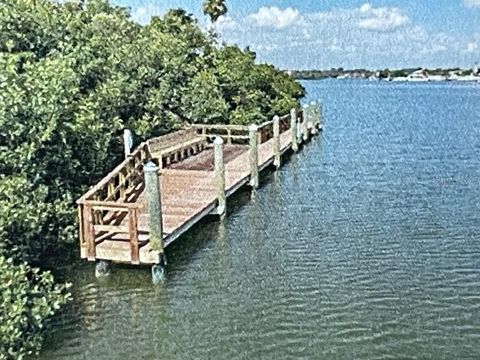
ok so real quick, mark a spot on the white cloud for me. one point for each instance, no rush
(471, 47)
(366, 36)
(143, 14)
(274, 17)
(381, 19)
(365, 8)
(225, 23)
(471, 3)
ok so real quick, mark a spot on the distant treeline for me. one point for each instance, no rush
(364, 73)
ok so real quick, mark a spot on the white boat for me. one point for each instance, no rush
(400, 78)
(437, 78)
(468, 78)
(418, 76)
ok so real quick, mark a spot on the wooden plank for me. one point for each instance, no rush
(187, 197)
(112, 228)
(133, 235)
(187, 225)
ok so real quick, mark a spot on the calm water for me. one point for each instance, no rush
(366, 245)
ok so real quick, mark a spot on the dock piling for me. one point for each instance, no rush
(300, 128)
(102, 269)
(219, 177)
(152, 191)
(293, 126)
(313, 118)
(276, 142)
(127, 142)
(306, 119)
(253, 149)
(320, 116)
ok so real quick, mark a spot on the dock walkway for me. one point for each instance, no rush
(195, 177)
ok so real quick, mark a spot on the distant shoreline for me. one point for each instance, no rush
(409, 75)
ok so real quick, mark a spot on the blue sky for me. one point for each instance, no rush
(321, 34)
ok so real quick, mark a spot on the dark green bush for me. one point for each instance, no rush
(27, 298)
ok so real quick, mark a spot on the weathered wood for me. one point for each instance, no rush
(127, 142)
(80, 225)
(276, 142)
(112, 228)
(253, 156)
(320, 116)
(306, 119)
(219, 177)
(313, 117)
(89, 234)
(133, 236)
(293, 127)
(141, 152)
(110, 205)
(205, 127)
(154, 205)
(118, 227)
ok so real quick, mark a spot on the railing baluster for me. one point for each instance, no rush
(121, 180)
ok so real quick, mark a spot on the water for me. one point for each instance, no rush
(365, 245)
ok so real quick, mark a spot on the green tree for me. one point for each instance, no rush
(27, 298)
(214, 9)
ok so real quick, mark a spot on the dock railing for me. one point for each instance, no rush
(105, 206)
(110, 208)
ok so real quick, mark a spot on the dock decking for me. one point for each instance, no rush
(115, 218)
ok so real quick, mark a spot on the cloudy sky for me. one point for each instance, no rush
(320, 34)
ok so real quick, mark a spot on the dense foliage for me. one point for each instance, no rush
(214, 9)
(27, 297)
(73, 75)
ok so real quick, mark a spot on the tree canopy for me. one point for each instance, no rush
(214, 9)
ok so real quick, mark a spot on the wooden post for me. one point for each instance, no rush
(300, 128)
(252, 131)
(314, 118)
(293, 128)
(154, 205)
(219, 177)
(306, 117)
(276, 141)
(127, 142)
(133, 235)
(320, 116)
(89, 231)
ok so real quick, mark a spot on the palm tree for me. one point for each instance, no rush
(214, 9)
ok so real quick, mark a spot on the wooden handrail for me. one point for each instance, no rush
(96, 205)
(219, 126)
(110, 206)
(117, 171)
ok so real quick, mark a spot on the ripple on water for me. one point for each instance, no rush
(364, 246)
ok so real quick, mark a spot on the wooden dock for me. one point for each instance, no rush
(170, 183)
